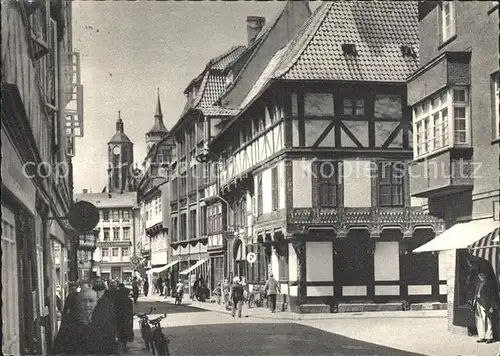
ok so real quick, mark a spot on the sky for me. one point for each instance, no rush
(128, 49)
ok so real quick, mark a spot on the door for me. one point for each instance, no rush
(10, 291)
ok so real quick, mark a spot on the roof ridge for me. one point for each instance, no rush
(308, 31)
(259, 40)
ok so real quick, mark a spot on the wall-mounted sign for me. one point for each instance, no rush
(251, 257)
(83, 216)
(135, 260)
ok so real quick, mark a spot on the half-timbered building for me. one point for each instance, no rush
(313, 166)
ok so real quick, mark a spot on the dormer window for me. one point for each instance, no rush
(408, 51)
(349, 49)
(447, 20)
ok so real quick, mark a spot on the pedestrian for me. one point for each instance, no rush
(179, 292)
(70, 301)
(225, 291)
(124, 318)
(160, 286)
(74, 336)
(485, 304)
(145, 287)
(135, 289)
(104, 332)
(236, 296)
(272, 288)
(218, 293)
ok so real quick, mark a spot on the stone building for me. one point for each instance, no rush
(42, 111)
(454, 99)
(313, 165)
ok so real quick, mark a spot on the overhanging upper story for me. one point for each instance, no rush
(454, 99)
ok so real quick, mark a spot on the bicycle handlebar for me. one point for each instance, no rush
(143, 315)
(157, 320)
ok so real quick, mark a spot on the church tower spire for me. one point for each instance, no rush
(158, 131)
(119, 123)
(120, 160)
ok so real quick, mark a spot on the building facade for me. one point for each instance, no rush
(314, 163)
(40, 90)
(454, 100)
(153, 196)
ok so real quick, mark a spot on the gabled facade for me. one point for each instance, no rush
(42, 105)
(153, 196)
(454, 100)
(314, 164)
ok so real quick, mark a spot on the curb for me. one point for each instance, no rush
(424, 314)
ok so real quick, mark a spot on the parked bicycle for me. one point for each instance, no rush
(160, 341)
(257, 297)
(146, 333)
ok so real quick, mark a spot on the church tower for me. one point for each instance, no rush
(120, 160)
(158, 131)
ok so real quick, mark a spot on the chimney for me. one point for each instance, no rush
(85, 191)
(254, 25)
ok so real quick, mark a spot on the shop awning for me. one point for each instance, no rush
(460, 236)
(193, 267)
(162, 268)
(488, 248)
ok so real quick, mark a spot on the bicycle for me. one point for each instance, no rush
(146, 332)
(160, 341)
(257, 298)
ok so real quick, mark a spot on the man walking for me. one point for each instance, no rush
(236, 296)
(485, 304)
(272, 288)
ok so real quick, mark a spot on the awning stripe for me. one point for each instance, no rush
(162, 268)
(193, 267)
(488, 248)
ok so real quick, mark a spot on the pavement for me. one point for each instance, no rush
(196, 328)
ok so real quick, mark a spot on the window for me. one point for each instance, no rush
(391, 177)
(243, 212)
(126, 215)
(259, 195)
(105, 252)
(495, 94)
(106, 234)
(192, 224)
(105, 214)
(174, 230)
(116, 234)
(183, 231)
(353, 106)
(436, 117)
(126, 233)
(203, 220)
(325, 184)
(174, 189)
(116, 214)
(318, 104)
(275, 188)
(125, 251)
(447, 20)
(115, 251)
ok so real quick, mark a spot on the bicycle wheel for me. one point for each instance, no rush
(251, 301)
(162, 346)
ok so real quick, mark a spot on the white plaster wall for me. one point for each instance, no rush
(357, 183)
(354, 291)
(420, 290)
(295, 133)
(281, 184)
(294, 291)
(320, 291)
(386, 261)
(275, 266)
(386, 290)
(292, 264)
(302, 184)
(444, 265)
(417, 201)
(319, 261)
(267, 191)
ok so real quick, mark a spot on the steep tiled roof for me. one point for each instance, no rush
(224, 60)
(213, 89)
(377, 28)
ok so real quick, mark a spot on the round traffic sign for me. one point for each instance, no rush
(135, 260)
(251, 257)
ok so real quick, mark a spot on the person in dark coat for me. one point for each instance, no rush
(485, 304)
(145, 287)
(124, 318)
(74, 336)
(160, 286)
(104, 331)
(135, 289)
(70, 301)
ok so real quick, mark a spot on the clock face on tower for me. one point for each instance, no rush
(116, 150)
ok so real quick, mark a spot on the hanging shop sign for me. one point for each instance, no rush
(83, 216)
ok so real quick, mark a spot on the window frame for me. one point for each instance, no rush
(331, 184)
(391, 184)
(260, 201)
(424, 137)
(444, 36)
(126, 234)
(275, 188)
(113, 250)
